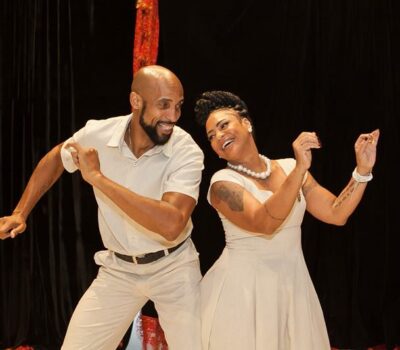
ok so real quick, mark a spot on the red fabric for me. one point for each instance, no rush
(377, 347)
(145, 51)
(145, 47)
(153, 335)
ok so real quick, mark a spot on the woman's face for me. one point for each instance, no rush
(228, 133)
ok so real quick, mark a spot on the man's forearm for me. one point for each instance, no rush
(156, 215)
(46, 173)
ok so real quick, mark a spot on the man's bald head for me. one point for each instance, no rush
(149, 77)
(156, 100)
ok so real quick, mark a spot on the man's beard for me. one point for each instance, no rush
(151, 131)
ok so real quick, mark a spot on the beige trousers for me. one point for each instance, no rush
(119, 291)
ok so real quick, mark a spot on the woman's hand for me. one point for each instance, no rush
(365, 149)
(302, 147)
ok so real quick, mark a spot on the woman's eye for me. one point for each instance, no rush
(210, 138)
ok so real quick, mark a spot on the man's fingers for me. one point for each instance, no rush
(10, 226)
(75, 149)
(19, 229)
(4, 226)
(75, 158)
(75, 146)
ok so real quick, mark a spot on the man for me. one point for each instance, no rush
(145, 172)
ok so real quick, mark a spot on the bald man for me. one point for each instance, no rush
(145, 172)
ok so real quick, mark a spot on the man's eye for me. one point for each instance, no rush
(224, 125)
(164, 105)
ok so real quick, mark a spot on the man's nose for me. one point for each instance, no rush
(174, 115)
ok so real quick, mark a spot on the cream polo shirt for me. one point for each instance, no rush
(173, 167)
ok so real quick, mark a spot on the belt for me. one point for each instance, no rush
(149, 257)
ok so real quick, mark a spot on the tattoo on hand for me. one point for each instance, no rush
(234, 198)
(347, 192)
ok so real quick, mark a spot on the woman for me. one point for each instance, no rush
(258, 294)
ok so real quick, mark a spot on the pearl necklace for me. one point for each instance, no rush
(261, 175)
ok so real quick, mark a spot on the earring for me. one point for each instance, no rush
(250, 129)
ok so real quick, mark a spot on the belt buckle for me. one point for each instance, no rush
(134, 258)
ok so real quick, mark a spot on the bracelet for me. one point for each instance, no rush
(273, 217)
(361, 178)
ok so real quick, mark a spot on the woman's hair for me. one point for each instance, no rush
(210, 101)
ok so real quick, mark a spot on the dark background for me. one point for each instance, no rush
(330, 66)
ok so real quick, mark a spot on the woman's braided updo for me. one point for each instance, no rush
(210, 101)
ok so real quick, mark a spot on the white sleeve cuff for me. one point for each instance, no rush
(66, 158)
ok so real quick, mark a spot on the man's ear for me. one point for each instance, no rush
(135, 100)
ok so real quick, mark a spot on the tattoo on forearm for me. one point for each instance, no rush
(234, 199)
(346, 193)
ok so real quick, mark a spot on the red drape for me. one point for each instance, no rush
(145, 50)
(153, 335)
(147, 28)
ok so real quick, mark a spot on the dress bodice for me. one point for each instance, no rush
(287, 235)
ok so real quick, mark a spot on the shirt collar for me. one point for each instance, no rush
(117, 139)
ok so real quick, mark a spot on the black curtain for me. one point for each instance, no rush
(62, 63)
(330, 65)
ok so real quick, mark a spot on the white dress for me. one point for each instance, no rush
(259, 295)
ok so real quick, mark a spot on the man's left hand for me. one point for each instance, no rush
(87, 161)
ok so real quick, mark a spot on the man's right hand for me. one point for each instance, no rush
(11, 226)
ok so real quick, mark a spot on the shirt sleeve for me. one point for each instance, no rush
(186, 169)
(66, 156)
